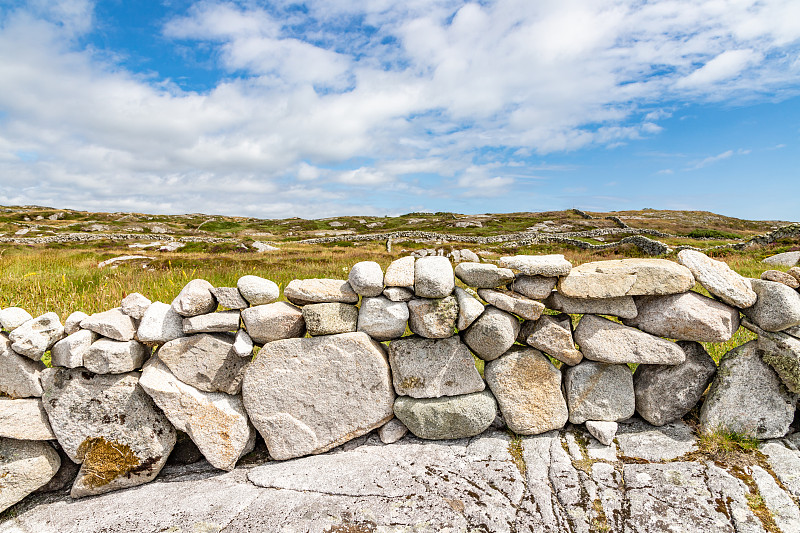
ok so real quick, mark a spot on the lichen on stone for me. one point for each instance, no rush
(104, 461)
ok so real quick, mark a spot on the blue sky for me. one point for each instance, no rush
(335, 107)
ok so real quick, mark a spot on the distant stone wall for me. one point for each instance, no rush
(337, 361)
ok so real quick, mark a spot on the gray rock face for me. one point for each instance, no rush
(19, 376)
(107, 356)
(195, 299)
(747, 397)
(220, 322)
(777, 307)
(382, 319)
(450, 417)
(134, 305)
(109, 425)
(552, 335)
(355, 398)
(231, 298)
(271, 322)
(36, 336)
(24, 467)
(640, 440)
(433, 318)
(782, 353)
(513, 303)
(330, 318)
(206, 361)
(606, 341)
(392, 431)
(718, 278)
(528, 389)
(243, 344)
(538, 265)
(366, 278)
(784, 259)
(626, 277)
(492, 334)
(469, 308)
(534, 287)
(780, 277)
(113, 324)
(400, 273)
(398, 294)
(622, 306)
(483, 275)
(428, 368)
(599, 391)
(604, 432)
(24, 419)
(160, 324)
(73, 322)
(664, 393)
(784, 511)
(688, 317)
(216, 422)
(310, 291)
(257, 290)
(433, 277)
(13, 317)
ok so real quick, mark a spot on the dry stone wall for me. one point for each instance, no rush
(337, 361)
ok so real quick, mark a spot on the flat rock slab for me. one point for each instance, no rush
(607, 341)
(687, 317)
(110, 425)
(639, 440)
(747, 397)
(622, 306)
(780, 277)
(24, 467)
(107, 356)
(538, 265)
(231, 298)
(206, 361)
(450, 417)
(216, 422)
(430, 368)
(665, 393)
(718, 278)
(528, 389)
(24, 419)
(483, 275)
(220, 322)
(421, 486)
(306, 396)
(626, 277)
(323, 290)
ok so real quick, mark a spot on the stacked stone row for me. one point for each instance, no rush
(336, 362)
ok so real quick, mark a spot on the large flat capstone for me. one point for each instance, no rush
(306, 396)
(626, 277)
(607, 341)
